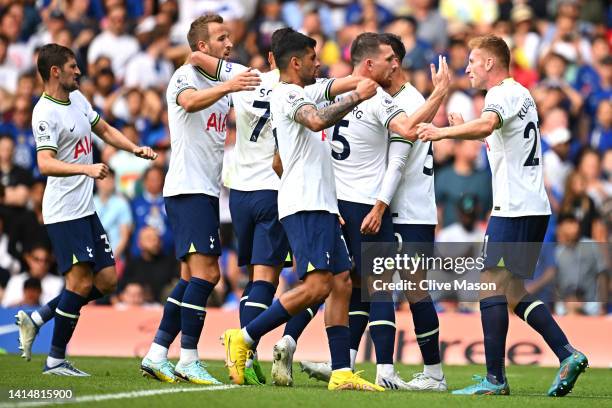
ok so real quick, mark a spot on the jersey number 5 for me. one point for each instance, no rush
(346, 148)
(262, 119)
(531, 159)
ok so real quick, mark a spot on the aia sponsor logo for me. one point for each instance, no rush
(216, 122)
(83, 146)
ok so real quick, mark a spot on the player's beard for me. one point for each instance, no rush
(72, 86)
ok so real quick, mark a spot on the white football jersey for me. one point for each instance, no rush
(359, 148)
(65, 128)
(251, 168)
(308, 182)
(515, 153)
(414, 201)
(196, 139)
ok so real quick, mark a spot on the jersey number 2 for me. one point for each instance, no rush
(262, 119)
(531, 159)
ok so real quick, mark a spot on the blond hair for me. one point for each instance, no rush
(494, 45)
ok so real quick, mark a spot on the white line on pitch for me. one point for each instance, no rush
(120, 395)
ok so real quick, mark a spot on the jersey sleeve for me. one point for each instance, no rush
(92, 116)
(320, 91)
(498, 102)
(228, 70)
(384, 107)
(411, 102)
(45, 131)
(180, 82)
(294, 98)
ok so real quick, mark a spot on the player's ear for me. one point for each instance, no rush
(55, 71)
(489, 63)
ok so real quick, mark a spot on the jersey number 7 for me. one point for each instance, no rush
(262, 119)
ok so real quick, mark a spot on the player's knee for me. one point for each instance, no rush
(343, 285)
(81, 286)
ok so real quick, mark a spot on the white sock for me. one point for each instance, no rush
(157, 353)
(353, 358)
(291, 341)
(54, 362)
(384, 370)
(247, 339)
(188, 356)
(343, 369)
(434, 371)
(37, 318)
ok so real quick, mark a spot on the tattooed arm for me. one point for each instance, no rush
(319, 119)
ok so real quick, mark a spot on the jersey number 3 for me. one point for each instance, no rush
(531, 159)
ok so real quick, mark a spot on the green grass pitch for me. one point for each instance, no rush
(528, 386)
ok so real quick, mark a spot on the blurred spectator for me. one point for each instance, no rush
(114, 42)
(526, 38)
(151, 268)
(601, 135)
(589, 166)
(9, 265)
(580, 264)
(461, 178)
(259, 35)
(149, 68)
(564, 38)
(20, 129)
(8, 72)
(32, 291)
(115, 214)
(556, 166)
(128, 168)
(148, 210)
(133, 294)
(19, 53)
(466, 229)
(578, 203)
(15, 179)
(418, 52)
(38, 260)
(432, 26)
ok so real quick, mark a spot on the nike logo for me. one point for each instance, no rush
(73, 126)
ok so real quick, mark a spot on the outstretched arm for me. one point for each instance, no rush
(472, 130)
(193, 100)
(319, 119)
(117, 139)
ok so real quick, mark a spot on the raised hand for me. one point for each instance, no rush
(145, 152)
(440, 78)
(245, 81)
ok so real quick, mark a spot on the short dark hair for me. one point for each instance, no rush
(365, 45)
(198, 31)
(52, 55)
(32, 283)
(291, 44)
(396, 43)
(277, 36)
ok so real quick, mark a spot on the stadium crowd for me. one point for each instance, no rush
(128, 50)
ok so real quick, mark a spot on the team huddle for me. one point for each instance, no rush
(321, 166)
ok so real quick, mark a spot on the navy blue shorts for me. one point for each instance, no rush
(316, 242)
(194, 219)
(514, 243)
(81, 240)
(261, 236)
(353, 215)
(415, 238)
